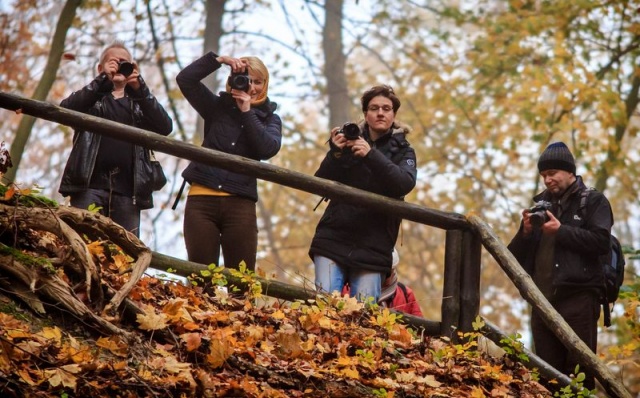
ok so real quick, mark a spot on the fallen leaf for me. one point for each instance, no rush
(150, 320)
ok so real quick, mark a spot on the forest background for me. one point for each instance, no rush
(486, 85)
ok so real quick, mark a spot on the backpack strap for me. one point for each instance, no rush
(584, 196)
(404, 291)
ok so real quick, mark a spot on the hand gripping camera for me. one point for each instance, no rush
(125, 68)
(538, 213)
(351, 131)
(239, 81)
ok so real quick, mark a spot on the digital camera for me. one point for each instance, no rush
(351, 131)
(125, 68)
(538, 213)
(239, 81)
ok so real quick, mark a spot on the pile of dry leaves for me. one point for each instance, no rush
(173, 340)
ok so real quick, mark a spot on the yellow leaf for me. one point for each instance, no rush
(477, 392)
(150, 320)
(62, 376)
(176, 311)
(114, 344)
(96, 248)
(51, 334)
(18, 334)
(221, 347)
(349, 372)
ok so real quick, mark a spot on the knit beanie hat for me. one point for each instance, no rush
(557, 157)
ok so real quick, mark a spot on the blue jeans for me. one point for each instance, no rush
(118, 207)
(331, 277)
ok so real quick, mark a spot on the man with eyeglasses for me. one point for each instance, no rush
(353, 243)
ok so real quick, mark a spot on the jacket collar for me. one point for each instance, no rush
(577, 186)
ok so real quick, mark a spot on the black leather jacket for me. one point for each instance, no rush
(579, 242)
(255, 134)
(148, 114)
(358, 237)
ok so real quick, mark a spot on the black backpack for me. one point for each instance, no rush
(612, 262)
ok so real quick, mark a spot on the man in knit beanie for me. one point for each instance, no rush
(562, 257)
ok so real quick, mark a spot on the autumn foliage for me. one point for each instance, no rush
(203, 340)
(188, 343)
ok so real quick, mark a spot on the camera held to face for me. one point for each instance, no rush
(351, 131)
(239, 81)
(125, 68)
(538, 213)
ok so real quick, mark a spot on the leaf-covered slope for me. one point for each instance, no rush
(189, 344)
(95, 328)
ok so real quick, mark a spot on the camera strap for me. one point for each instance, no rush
(324, 198)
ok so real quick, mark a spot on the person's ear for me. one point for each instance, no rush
(100, 68)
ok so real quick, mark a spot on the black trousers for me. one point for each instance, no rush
(581, 311)
(227, 221)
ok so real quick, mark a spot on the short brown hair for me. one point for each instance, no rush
(383, 90)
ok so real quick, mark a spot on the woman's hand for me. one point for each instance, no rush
(338, 139)
(243, 99)
(237, 65)
(359, 147)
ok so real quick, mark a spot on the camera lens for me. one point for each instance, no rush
(239, 81)
(351, 131)
(125, 68)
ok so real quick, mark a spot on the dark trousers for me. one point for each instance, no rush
(227, 221)
(119, 208)
(581, 311)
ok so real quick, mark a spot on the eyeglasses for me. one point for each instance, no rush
(376, 108)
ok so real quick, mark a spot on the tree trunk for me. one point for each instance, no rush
(613, 154)
(212, 33)
(335, 62)
(45, 84)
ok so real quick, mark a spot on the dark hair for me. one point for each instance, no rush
(383, 90)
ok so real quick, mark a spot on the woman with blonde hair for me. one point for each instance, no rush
(221, 204)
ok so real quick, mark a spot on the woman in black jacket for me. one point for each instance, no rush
(221, 206)
(352, 243)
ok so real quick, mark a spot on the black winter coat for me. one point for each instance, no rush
(579, 242)
(255, 134)
(355, 236)
(147, 114)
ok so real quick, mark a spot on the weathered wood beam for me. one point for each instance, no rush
(238, 164)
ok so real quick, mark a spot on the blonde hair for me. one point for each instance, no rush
(115, 44)
(257, 67)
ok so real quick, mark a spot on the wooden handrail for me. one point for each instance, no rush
(239, 164)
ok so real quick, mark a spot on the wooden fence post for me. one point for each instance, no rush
(470, 280)
(450, 308)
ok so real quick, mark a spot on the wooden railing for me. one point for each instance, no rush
(464, 238)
